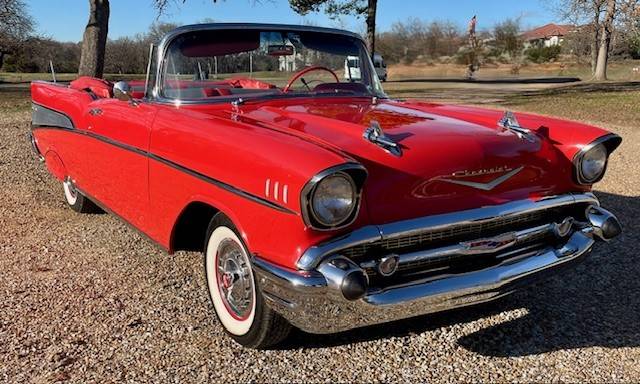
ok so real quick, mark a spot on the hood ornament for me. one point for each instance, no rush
(376, 135)
(510, 122)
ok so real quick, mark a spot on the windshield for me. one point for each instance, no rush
(210, 65)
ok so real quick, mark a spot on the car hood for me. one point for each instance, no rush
(447, 163)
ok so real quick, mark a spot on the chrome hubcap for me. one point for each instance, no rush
(71, 189)
(234, 279)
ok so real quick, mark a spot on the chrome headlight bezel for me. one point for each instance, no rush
(607, 144)
(355, 174)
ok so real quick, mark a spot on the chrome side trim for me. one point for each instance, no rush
(34, 147)
(369, 234)
(126, 222)
(611, 141)
(220, 184)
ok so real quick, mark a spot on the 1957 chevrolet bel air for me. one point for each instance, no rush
(318, 201)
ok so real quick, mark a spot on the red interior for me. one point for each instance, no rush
(101, 88)
(201, 89)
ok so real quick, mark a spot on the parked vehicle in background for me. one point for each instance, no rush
(322, 204)
(352, 68)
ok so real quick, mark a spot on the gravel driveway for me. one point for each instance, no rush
(86, 299)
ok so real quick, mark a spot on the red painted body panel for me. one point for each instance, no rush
(148, 162)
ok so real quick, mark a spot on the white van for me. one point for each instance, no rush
(352, 68)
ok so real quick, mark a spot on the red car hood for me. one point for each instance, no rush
(442, 156)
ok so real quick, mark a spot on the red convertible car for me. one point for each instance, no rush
(318, 201)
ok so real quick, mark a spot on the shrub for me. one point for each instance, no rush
(543, 54)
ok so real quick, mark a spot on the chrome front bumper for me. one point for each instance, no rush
(312, 301)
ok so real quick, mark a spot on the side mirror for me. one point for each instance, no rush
(122, 91)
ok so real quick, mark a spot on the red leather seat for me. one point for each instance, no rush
(99, 87)
(331, 87)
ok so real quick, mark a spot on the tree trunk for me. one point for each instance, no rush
(605, 41)
(1, 58)
(595, 43)
(95, 39)
(595, 39)
(371, 26)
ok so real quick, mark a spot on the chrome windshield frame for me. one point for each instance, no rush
(155, 84)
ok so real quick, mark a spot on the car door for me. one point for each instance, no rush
(116, 165)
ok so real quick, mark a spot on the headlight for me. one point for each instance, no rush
(334, 199)
(593, 164)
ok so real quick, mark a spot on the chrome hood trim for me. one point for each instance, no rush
(485, 186)
(372, 233)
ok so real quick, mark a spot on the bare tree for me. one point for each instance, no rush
(15, 26)
(94, 40)
(161, 5)
(606, 30)
(601, 18)
(588, 14)
(334, 8)
(507, 38)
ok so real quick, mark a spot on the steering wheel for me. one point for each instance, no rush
(304, 72)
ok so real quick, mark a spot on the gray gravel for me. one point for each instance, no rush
(86, 299)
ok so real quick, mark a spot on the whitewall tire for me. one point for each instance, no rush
(76, 200)
(234, 292)
(230, 281)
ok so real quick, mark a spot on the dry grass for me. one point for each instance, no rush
(619, 71)
(12, 101)
(614, 108)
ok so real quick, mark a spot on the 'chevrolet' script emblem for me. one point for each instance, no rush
(492, 244)
(510, 172)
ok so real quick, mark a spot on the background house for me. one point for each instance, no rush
(547, 35)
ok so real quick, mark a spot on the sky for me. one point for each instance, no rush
(65, 20)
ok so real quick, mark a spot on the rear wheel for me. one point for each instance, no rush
(76, 200)
(236, 297)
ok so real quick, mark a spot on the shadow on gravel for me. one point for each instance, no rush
(595, 304)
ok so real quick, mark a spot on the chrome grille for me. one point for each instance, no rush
(465, 231)
(532, 242)
(451, 234)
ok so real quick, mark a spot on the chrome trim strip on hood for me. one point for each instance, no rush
(312, 257)
(485, 186)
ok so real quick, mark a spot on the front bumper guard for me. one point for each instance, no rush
(311, 301)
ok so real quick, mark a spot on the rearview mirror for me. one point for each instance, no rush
(122, 91)
(280, 50)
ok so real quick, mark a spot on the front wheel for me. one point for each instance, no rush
(236, 298)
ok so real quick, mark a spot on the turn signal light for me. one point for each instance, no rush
(388, 265)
